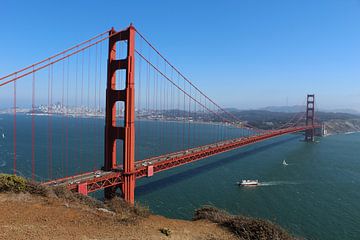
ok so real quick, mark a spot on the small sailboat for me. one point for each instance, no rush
(3, 136)
(284, 163)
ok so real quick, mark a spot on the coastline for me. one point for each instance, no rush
(340, 126)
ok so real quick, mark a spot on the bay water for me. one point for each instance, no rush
(315, 196)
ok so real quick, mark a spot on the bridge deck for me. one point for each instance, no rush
(100, 179)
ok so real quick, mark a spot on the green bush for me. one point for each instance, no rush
(243, 227)
(12, 183)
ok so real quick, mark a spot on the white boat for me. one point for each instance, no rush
(284, 163)
(3, 136)
(249, 182)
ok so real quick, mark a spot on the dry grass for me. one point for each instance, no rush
(126, 212)
(37, 189)
(74, 197)
(243, 227)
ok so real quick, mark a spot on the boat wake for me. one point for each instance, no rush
(275, 183)
(351, 132)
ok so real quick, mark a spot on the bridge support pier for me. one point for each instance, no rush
(82, 189)
(127, 132)
(310, 116)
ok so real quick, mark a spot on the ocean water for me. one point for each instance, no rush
(316, 196)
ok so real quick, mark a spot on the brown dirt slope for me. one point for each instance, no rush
(25, 216)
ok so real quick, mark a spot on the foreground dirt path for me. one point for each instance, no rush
(25, 216)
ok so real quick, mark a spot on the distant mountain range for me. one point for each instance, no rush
(350, 111)
(289, 109)
(300, 108)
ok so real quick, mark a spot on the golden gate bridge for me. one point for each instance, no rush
(139, 84)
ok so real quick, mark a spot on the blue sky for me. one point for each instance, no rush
(243, 53)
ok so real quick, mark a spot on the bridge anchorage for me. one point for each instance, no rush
(165, 96)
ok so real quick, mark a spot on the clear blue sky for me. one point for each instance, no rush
(243, 53)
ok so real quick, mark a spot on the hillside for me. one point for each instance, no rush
(335, 122)
(24, 216)
(31, 211)
(336, 126)
(265, 119)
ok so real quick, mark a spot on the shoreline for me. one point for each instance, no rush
(341, 133)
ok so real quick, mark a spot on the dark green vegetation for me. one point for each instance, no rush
(12, 183)
(243, 227)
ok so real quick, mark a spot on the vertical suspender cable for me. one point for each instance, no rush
(78, 163)
(94, 109)
(81, 108)
(189, 142)
(154, 103)
(33, 129)
(67, 119)
(99, 101)
(139, 92)
(48, 120)
(184, 109)
(14, 127)
(63, 118)
(51, 119)
(164, 109)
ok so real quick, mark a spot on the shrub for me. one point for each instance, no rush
(243, 227)
(36, 188)
(142, 210)
(165, 231)
(12, 183)
(126, 212)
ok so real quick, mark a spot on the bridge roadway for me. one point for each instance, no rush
(99, 179)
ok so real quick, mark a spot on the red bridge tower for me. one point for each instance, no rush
(112, 131)
(310, 115)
